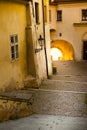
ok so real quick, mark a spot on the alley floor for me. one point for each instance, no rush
(60, 103)
(46, 122)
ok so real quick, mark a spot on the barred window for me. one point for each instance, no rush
(14, 47)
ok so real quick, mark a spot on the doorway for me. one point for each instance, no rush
(84, 50)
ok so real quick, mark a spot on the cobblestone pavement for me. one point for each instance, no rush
(46, 122)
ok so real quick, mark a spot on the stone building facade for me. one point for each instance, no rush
(68, 23)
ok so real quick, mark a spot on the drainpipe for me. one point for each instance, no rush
(44, 39)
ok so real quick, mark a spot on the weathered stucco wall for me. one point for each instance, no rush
(12, 21)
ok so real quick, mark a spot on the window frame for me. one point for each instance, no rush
(37, 19)
(59, 15)
(84, 14)
(45, 13)
(14, 47)
(50, 16)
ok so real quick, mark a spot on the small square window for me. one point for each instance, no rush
(12, 49)
(16, 38)
(12, 39)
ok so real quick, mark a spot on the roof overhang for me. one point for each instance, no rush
(17, 1)
(56, 2)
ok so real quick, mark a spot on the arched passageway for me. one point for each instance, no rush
(63, 47)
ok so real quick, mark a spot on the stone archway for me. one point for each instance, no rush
(65, 47)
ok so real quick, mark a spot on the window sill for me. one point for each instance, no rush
(82, 24)
(59, 20)
(14, 60)
(38, 23)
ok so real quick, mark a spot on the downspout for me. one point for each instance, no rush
(44, 39)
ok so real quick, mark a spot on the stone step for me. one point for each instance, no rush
(80, 78)
(56, 102)
(66, 93)
(64, 85)
(71, 67)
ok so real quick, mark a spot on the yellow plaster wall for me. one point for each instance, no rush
(12, 21)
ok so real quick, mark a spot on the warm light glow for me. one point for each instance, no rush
(56, 54)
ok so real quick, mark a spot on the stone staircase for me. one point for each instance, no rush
(65, 93)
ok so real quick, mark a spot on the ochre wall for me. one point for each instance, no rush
(12, 21)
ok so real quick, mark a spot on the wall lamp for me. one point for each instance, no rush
(41, 44)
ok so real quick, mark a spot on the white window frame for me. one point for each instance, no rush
(14, 47)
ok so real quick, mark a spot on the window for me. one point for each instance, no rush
(84, 15)
(37, 12)
(14, 47)
(50, 15)
(45, 14)
(59, 15)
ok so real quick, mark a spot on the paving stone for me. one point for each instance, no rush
(46, 122)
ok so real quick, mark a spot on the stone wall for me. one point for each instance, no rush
(12, 107)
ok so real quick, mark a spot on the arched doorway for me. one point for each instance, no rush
(65, 47)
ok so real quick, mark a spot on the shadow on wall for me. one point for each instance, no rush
(65, 48)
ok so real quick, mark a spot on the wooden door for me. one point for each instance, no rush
(84, 50)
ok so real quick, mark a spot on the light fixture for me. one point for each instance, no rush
(40, 40)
